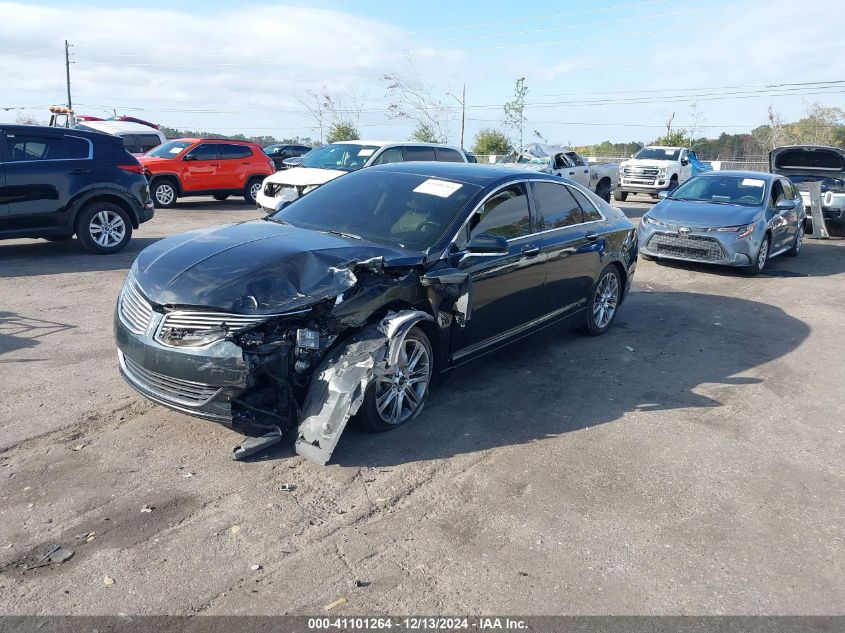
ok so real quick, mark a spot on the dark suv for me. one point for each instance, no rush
(56, 182)
(280, 153)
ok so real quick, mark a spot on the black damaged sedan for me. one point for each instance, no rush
(355, 298)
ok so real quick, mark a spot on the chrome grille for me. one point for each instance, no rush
(194, 322)
(697, 247)
(135, 311)
(174, 390)
(641, 171)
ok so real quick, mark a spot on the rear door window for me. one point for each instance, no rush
(131, 143)
(556, 206)
(27, 147)
(419, 153)
(591, 214)
(445, 154)
(231, 152)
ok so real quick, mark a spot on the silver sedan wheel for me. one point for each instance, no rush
(107, 228)
(606, 300)
(763, 255)
(165, 194)
(799, 239)
(401, 389)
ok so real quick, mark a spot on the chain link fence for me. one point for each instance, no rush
(747, 163)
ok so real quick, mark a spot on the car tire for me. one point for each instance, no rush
(58, 238)
(220, 197)
(164, 193)
(673, 184)
(103, 228)
(252, 188)
(761, 259)
(603, 190)
(799, 240)
(391, 389)
(603, 301)
(620, 196)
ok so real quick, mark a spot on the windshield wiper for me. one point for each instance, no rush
(270, 218)
(342, 234)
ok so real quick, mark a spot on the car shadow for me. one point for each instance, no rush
(210, 205)
(38, 257)
(663, 348)
(22, 332)
(818, 258)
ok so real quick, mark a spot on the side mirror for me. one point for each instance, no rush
(190, 157)
(487, 244)
(785, 205)
(684, 162)
(632, 155)
(663, 194)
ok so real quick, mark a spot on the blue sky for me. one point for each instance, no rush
(609, 69)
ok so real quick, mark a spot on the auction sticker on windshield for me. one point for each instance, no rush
(753, 182)
(441, 188)
(366, 152)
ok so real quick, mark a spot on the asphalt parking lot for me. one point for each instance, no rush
(688, 462)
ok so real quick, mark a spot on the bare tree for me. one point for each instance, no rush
(314, 103)
(696, 125)
(515, 110)
(333, 112)
(412, 99)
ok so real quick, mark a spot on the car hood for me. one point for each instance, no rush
(813, 160)
(152, 161)
(258, 267)
(304, 176)
(703, 214)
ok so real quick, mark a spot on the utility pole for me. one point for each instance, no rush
(67, 73)
(463, 102)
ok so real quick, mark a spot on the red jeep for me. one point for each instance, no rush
(205, 167)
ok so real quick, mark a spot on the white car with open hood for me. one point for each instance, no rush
(336, 159)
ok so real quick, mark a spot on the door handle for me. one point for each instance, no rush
(79, 171)
(529, 250)
(572, 173)
(591, 236)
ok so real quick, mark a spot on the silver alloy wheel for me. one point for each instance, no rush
(606, 300)
(799, 239)
(400, 391)
(165, 194)
(254, 189)
(763, 255)
(107, 228)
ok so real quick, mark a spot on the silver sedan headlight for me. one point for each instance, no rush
(647, 219)
(742, 231)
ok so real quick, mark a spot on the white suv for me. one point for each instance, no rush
(333, 160)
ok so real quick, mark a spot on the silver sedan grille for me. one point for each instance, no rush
(134, 310)
(184, 392)
(694, 247)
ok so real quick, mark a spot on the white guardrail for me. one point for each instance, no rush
(741, 164)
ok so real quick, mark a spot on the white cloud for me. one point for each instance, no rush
(249, 64)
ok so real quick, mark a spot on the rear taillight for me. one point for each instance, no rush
(135, 169)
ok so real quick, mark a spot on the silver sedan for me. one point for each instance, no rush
(732, 218)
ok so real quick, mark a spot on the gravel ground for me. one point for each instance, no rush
(688, 462)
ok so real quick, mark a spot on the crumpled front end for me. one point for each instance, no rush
(267, 374)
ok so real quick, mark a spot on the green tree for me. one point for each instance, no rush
(673, 138)
(515, 110)
(491, 141)
(342, 131)
(424, 134)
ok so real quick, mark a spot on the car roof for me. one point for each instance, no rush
(127, 127)
(215, 140)
(18, 128)
(469, 173)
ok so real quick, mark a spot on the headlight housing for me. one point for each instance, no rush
(647, 219)
(661, 172)
(742, 231)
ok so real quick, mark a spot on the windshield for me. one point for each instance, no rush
(396, 208)
(828, 183)
(739, 190)
(658, 153)
(169, 149)
(343, 156)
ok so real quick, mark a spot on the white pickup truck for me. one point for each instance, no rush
(562, 161)
(655, 168)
